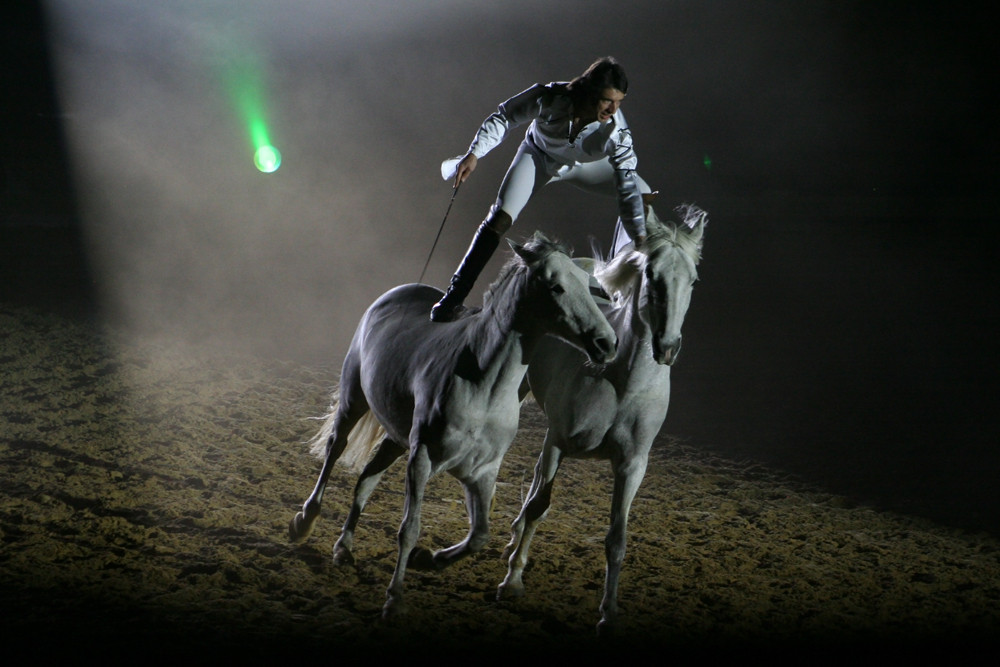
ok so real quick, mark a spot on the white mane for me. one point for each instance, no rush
(618, 275)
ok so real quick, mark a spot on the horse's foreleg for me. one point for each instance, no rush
(418, 471)
(478, 500)
(535, 507)
(628, 477)
(517, 526)
(385, 455)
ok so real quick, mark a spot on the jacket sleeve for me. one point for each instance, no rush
(624, 161)
(522, 108)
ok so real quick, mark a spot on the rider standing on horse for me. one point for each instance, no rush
(577, 135)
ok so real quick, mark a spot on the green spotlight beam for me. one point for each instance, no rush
(243, 79)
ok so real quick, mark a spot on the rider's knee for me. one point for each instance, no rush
(498, 221)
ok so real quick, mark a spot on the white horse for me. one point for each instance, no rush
(613, 411)
(447, 393)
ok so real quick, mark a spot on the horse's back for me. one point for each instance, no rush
(397, 326)
(397, 351)
(404, 299)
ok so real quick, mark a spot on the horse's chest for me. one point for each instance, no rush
(485, 421)
(477, 441)
(589, 415)
(481, 419)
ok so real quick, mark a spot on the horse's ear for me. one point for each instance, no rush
(653, 225)
(692, 216)
(647, 201)
(522, 251)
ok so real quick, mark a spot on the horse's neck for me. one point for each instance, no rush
(501, 352)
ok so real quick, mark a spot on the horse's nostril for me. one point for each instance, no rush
(666, 352)
(607, 345)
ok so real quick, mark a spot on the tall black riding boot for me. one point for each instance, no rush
(483, 245)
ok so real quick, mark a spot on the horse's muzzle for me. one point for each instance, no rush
(602, 349)
(665, 354)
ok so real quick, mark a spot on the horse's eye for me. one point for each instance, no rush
(557, 288)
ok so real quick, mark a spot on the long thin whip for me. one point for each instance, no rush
(440, 229)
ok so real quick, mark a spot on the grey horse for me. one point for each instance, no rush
(613, 411)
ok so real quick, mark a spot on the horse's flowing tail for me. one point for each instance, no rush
(361, 440)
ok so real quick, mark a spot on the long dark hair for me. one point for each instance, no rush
(603, 73)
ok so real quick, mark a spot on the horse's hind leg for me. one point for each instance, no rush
(385, 455)
(351, 406)
(536, 506)
(302, 523)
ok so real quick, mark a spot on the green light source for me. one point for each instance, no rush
(243, 77)
(267, 159)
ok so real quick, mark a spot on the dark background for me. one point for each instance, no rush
(844, 327)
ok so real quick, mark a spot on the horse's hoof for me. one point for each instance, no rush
(393, 609)
(342, 556)
(421, 559)
(605, 627)
(510, 591)
(299, 529)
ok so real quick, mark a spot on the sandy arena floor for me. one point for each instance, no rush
(145, 494)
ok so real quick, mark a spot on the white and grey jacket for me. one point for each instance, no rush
(549, 109)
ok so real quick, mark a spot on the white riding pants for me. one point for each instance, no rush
(531, 170)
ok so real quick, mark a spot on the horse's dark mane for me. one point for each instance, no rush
(538, 245)
(499, 303)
